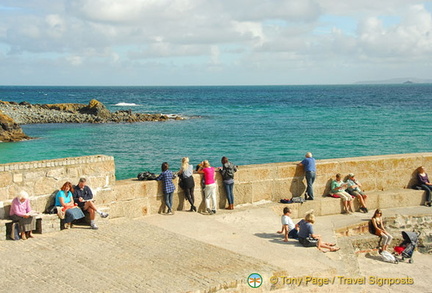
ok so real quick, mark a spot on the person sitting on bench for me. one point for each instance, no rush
(84, 197)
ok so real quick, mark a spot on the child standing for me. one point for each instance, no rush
(168, 186)
(288, 227)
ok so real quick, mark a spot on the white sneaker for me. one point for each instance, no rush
(104, 215)
(94, 227)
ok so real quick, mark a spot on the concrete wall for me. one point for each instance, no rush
(388, 175)
(253, 183)
(41, 179)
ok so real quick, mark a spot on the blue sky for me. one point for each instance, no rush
(217, 42)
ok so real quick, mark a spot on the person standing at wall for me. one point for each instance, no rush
(187, 182)
(210, 186)
(168, 186)
(227, 171)
(309, 166)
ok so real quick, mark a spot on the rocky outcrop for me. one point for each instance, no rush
(96, 108)
(9, 130)
(94, 112)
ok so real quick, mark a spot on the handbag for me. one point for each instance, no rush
(61, 212)
(15, 231)
(308, 241)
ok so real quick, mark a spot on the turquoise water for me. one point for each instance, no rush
(249, 124)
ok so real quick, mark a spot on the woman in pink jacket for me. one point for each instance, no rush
(210, 186)
(20, 212)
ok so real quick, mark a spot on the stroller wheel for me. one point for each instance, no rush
(410, 260)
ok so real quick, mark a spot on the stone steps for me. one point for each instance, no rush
(405, 219)
(323, 206)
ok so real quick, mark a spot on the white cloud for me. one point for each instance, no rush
(302, 38)
(411, 38)
(74, 60)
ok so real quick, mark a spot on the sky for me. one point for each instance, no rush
(213, 42)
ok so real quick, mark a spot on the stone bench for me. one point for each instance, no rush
(323, 206)
(45, 223)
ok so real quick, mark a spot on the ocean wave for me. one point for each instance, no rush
(126, 104)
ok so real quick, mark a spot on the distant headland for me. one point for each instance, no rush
(406, 80)
(13, 114)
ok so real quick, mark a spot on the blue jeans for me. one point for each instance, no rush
(428, 190)
(168, 200)
(229, 192)
(293, 234)
(310, 179)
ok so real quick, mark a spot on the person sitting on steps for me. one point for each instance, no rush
(338, 188)
(354, 188)
(380, 231)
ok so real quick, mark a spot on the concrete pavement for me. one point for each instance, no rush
(192, 252)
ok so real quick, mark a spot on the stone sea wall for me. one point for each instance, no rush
(387, 178)
(390, 176)
(42, 179)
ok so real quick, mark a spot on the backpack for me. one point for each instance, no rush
(285, 200)
(297, 199)
(146, 176)
(50, 207)
(227, 172)
(371, 227)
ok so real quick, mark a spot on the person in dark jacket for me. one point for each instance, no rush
(227, 171)
(187, 182)
(83, 196)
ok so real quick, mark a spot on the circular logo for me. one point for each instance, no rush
(255, 280)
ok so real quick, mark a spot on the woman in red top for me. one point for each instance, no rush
(210, 186)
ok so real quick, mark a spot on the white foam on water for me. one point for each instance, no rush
(126, 104)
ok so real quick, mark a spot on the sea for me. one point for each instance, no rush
(247, 124)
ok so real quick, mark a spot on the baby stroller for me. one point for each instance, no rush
(406, 248)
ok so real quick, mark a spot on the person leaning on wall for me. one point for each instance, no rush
(227, 172)
(168, 186)
(187, 182)
(210, 186)
(309, 166)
